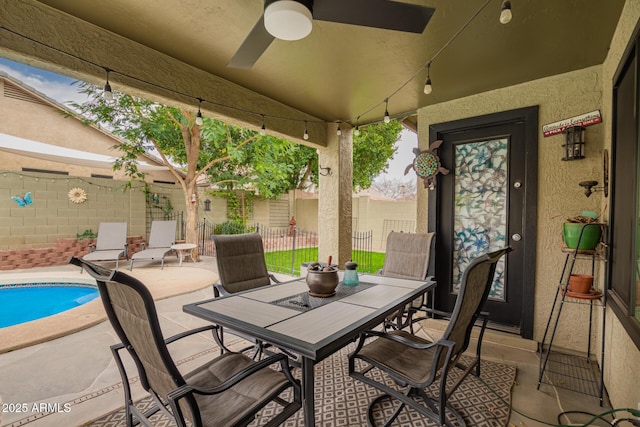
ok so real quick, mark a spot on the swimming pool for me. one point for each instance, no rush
(20, 303)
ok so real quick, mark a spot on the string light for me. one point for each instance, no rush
(427, 83)
(505, 17)
(505, 12)
(107, 95)
(428, 63)
(199, 113)
(306, 133)
(339, 132)
(387, 118)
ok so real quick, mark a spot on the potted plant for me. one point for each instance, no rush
(584, 229)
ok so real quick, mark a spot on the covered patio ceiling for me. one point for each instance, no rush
(179, 51)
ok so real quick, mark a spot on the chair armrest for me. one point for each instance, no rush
(190, 332)
(219, 290)
(183, 390)
(274, 279)
(402, 340)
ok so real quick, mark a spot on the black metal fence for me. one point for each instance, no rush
(286, 248)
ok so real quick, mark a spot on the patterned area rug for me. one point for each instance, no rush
(341, 401)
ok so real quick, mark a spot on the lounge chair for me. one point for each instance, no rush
(414, 363)
(407, 256)
(111, 244)
(161, 237)
(229, 390)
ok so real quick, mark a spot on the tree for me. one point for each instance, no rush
(372, 150)
(270, 166)
(278, 165)
(395, 188)
(186, 149)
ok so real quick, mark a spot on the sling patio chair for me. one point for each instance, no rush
(111, 244)
(407, 256)
(161, 237)
(415, 363)
(241, 266)
(229, 390)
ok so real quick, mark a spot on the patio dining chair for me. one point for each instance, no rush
(407, 256)
(415, 363)
(229, 390)
(111, 244)
(241, 266)
(161, 237)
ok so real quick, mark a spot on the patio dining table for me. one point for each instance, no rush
(286, 316)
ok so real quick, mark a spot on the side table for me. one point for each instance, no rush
(183, 249)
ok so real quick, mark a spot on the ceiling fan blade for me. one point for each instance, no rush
(252, 47)
(390, 15)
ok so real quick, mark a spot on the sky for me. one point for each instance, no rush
(61, 89)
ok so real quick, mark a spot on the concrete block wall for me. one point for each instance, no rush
(52, 216)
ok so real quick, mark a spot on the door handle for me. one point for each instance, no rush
(516, 237)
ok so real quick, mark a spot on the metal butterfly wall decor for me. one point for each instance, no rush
(23, 200)
(427, 165)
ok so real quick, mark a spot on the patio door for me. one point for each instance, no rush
(487, 201)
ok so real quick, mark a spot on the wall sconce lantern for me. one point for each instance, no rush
(574, 143)
(207, 205)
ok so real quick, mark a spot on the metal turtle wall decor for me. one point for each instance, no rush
(427, 165)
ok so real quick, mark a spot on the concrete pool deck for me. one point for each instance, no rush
(161, 283)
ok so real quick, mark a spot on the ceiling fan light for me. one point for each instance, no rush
(505, 12)
(288, 20)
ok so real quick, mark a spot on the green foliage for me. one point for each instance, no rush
(268, 165)
(86, 234)
(230, 227)
(372, 150)
(237, 203)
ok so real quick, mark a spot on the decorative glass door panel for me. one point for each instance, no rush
(480, 207)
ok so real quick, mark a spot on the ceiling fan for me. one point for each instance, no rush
(292, 20)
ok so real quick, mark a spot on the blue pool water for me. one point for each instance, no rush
(19, 304)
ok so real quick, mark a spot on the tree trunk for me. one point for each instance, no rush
(191, 220)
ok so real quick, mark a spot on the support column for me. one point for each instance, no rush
(335, 195)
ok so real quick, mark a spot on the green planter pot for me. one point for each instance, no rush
(590, 236)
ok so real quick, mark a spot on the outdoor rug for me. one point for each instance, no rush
(342, 401)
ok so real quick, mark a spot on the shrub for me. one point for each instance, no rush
(230, 227)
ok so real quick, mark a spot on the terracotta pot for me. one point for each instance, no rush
(580, 283)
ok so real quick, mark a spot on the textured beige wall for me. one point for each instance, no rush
(621, 362)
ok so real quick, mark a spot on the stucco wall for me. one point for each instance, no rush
(622, 377)
(32, 118)
(368, 214)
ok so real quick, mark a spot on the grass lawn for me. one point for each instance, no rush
(280, 261)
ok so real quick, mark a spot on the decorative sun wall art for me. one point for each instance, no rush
(77, 195)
